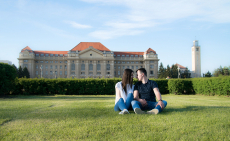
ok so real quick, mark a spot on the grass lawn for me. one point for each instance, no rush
(61, 117)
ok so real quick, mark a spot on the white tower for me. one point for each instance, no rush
(196, 62)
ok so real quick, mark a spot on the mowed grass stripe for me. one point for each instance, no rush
(61, 117)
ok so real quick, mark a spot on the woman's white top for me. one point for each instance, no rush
(122, 92)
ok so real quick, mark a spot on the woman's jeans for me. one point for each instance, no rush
(151, 105)
(121, 105)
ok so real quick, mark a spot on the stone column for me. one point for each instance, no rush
(94, 68)
(77, 69)
(112, 69)
(87, 69)
(103, 69)
(68, 68)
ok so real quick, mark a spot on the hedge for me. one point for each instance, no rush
(205, 86)
(73, 86)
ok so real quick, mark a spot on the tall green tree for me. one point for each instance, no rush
(168, 72)
(161, 72)
(20, 72)
(26, 72)
(208, 74)
(186, 74)
(174, 71)
(15, 69)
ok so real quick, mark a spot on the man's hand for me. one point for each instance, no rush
(161, 104)
(143, 102)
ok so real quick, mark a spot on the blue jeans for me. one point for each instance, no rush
(121, 105)
(151, 105)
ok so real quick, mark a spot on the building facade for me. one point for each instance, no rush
(196, 60)
(87, 59)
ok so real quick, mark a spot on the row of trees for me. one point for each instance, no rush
(222, 71)
(21, 73)
(172, 72)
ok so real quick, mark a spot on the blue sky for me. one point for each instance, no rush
(168, 27)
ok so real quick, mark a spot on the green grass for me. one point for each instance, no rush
(187, 117)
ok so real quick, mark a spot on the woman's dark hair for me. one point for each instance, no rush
(126, 79)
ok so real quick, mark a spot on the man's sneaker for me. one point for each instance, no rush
(125, 111)
(153, 111)
(139, 111)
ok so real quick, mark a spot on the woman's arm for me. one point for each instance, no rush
(118, 93)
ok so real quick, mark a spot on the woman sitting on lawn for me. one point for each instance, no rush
(124, 92)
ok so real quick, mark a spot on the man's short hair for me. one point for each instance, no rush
(143, 71)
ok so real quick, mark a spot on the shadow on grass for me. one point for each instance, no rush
(192, 108)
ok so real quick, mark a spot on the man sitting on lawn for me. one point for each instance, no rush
(144, 95)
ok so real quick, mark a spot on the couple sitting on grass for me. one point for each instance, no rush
(140, 97)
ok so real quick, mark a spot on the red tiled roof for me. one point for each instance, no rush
(51, 52)
(149, 50)
(180, 66)
(128, 53)
(84, 45)
(27, 48)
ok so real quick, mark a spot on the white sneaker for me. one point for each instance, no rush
(153, 111)
(139, 111)
(125, 111)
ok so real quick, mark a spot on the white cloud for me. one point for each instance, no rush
(77, 25)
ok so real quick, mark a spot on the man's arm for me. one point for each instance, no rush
(136, 97)
(158, 95)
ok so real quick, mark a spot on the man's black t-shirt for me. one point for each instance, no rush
(146, 90)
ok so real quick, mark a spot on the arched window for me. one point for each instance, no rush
(82, 66)
(98, 67)
(72, 66)
(90, 66)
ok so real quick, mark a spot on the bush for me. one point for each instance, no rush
(180, 86)
(7, 77)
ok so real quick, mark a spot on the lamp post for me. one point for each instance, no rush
(178, 71)
(41, 70)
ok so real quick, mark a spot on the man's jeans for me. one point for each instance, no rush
(121, 105)
(151, 105)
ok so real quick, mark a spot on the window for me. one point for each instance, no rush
(42, 55)
(56, 72)
(118, 62)
(98, 62)
(60, 61)
(108, 67)
(136, 62)
(151, 72)
(41, 61)
(119, 67)
(46, 66)
(98, 73)
(46, 61)
(36, 61)
(51, 55)
(131, 55)
(61, 55)
(25, 65)
(115, 62)
(82, 66)
(132, 62)
(65, 61)
(47, 55)
(127, 62)
(128, 67)
(51, 67)
(60, 67)
(98, 67)
(36, 72)
(25, 60)
(56, 61)
(123, 55)
(91, 54)
(114, 72)
(56, 55)
(114, 67)
(114, 55)
(132, 67)
(127, 55)
(51, 61)
(141, 55)
(197, 49)
(136, 67)
(55, 66)
(136, 55)
(65, 67)
(91, 67)
(36, 66)
(123, 67)
(118, 72)
(82, 72)
(60, 72)
(72, 66)
(65, 72)
(46, 72)
(37, 54)
(151, 61)
(108, 72)
(151, 66)
(51, 73)
(90, 73)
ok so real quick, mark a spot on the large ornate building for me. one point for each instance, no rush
(87, 59)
